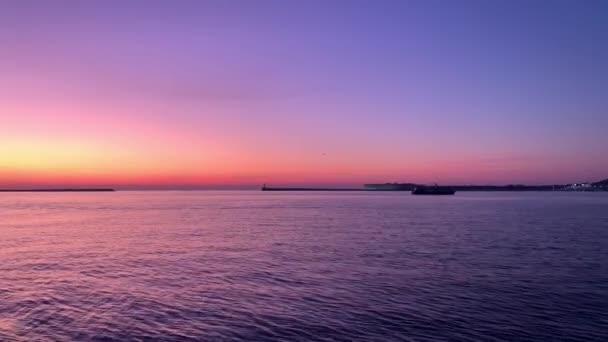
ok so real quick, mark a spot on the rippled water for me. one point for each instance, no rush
(254, 266)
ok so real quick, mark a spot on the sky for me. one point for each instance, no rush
(334, 92)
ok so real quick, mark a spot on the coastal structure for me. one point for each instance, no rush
(390, 186)
(598, 186)
(59, 190)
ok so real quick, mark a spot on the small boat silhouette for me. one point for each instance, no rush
(433, 190)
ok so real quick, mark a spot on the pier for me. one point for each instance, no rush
(58, 190)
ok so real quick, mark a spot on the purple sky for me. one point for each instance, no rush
(290, 92)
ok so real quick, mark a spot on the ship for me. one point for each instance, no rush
(433, 190)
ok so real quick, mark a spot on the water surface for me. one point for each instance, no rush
(258, 266)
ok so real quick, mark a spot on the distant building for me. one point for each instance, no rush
(579, 187)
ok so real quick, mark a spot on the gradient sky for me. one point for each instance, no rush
(183, 93)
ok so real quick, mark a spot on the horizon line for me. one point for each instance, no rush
(246, 186)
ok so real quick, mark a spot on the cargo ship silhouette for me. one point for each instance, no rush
(433, 190)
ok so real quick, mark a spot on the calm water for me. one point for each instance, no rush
(253, 266)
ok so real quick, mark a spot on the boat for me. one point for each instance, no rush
(433, 190)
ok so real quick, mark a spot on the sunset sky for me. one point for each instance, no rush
(240, 93)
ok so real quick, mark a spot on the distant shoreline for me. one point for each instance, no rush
(57, 190)
(587, 187)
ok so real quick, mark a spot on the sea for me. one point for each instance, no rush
(303, 266)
